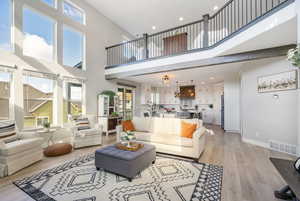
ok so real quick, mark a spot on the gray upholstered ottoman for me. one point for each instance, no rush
(125, 163)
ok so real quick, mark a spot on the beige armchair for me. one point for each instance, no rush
(18, 152)
(89, 136)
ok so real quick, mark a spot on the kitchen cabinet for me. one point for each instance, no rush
(158, 95)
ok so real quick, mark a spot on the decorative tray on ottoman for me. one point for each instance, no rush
(133, 146)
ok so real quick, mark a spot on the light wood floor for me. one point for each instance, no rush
(248, 173)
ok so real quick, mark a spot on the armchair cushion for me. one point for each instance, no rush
(88, 132)
(20, 146)
(82, 124)
(8, 131)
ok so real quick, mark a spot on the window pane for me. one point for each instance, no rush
(49, 2)
(39, 35)
(72, 100)
(72, 48)
(5, 24)
(38, 100)
(75, 94)
(73, 12)
(5, 79)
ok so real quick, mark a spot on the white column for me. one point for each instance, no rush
(17, 84)
(298, 39)
(58, 103)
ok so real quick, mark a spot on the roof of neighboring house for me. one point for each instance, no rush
(38, 98)
(79, 65)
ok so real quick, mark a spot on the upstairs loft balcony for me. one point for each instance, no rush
(234, 17)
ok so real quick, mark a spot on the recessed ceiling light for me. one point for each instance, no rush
(212, 78)
(216, 7)
(202, 82)
(153, 27)
(181, 19)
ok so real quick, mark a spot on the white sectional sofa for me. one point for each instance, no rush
(165, 134)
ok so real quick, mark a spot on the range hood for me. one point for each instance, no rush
(187, 92)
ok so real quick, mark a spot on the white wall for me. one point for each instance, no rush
(232, 103)
(263, 117)
(298, 39)
(99, 31)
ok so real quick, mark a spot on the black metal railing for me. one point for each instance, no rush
(206, 33)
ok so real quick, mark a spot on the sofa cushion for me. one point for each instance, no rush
(187, 129)
(142, 123)
(128, 125)
(20, 146)
(165, 126)
(164, 139)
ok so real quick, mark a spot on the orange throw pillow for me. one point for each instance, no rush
(187, 129)
(128, 125)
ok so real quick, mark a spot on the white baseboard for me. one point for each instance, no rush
(233, 131)
(256, 142)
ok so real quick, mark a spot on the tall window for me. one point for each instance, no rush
(38, 35)
(38, 101)
(5, 79)
(49, 2)
(5, 24)
(73, 48)
(72, 100)
(73, 12)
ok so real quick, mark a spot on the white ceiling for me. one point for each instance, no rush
(138, 16)
(206, 75)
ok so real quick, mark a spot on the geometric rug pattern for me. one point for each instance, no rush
(169, 179)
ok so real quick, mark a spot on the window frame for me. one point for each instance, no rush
(54, 96)
(10, 98)
(41, 117)
(77, 7)
(54, 35)
(54, 6)
(67, 98)
(83, 46)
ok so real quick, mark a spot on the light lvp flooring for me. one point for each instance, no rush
(248, 173)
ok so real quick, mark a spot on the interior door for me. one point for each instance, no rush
(175, 44)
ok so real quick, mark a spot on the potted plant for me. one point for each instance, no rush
(114, 114)
(127, 138)
(294, 56)
(46, 126)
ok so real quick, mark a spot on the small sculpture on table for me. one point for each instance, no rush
(127, 138)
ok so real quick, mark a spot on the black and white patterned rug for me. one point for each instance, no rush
(169, 179)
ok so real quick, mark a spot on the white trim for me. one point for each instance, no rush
(78, 8)
(256, 143)
(41, 117)
(233, 131)
(51, 6)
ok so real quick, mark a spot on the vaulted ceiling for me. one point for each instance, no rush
(139, 16)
